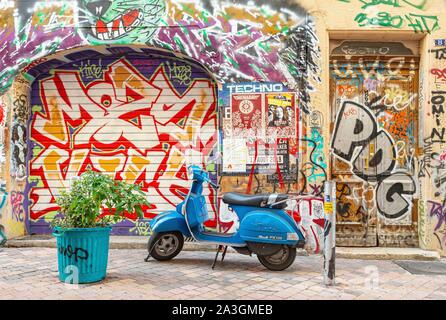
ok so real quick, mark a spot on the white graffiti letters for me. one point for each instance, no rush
(394, 190)
(356, 128)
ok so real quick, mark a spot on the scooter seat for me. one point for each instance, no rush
(266, 200)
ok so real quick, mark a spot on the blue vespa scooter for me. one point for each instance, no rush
(265, 228)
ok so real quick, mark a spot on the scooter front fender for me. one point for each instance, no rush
(269, 227)
(169, 221)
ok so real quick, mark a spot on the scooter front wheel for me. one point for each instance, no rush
(166, 246)
(280, 260)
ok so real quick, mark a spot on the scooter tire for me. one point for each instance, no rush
(165, 257)
(283, 264)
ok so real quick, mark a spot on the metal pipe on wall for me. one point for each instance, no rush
(329, 233)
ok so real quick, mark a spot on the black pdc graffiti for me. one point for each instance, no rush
(372, 153)
(76, 253)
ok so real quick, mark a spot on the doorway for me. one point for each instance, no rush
(374, 133)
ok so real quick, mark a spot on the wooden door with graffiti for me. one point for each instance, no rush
(374, 131)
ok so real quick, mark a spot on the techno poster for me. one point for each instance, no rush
(266, 116)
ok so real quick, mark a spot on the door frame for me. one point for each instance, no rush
(384, 36)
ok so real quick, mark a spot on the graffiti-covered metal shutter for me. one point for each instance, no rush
(141, 116)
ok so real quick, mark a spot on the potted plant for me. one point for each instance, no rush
(88, 208)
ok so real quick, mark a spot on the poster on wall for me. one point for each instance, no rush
(262, 158)
(235, 154)
(285, 164)
(247, 116)
(266, 116)
(281, 115)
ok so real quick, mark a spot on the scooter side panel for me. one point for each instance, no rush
(242, 211)
(169, 221)
(268, 227)
(232, 240)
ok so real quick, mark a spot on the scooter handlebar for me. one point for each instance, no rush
(212, 184)
(194, 169)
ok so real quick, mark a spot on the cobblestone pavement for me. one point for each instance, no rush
(31, 273)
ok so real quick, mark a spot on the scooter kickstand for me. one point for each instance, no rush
(216, 257)
(224, 253)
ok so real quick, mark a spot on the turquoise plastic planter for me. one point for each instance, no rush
(82, 254)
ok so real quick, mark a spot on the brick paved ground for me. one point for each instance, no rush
(31, 273)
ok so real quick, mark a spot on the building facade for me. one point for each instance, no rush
(274, 96)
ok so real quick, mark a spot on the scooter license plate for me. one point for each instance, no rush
(292, 236)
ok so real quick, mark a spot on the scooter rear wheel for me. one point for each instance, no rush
(280, 260)
(167, 245)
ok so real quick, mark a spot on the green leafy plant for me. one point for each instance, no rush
(94, 193)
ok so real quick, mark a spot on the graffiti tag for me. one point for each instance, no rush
(90, 70)
(180, 73)
(18, 210)
(77, 253)
(352, 143)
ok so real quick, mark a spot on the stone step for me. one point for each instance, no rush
(385, 253)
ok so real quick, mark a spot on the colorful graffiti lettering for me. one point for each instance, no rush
(312, 220)
(440, 74)
(371, 73)
(141, 228)
(180, 73)
(418, 4)
(3, 196)
(312, 173)
(394, 98)
(317, 165)
(418, 22)
(134, 123)
(357, 71)
(438, 211)
(90, 70)
(18, 210)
